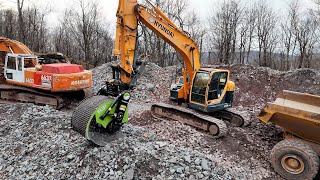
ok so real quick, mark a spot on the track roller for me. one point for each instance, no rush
(216, 127)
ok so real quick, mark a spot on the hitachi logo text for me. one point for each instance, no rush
(80, 82)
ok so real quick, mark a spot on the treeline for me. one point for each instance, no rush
(27, 25)
(81, 34)
(234, 32)
(258, 34)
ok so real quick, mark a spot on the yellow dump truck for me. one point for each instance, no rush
(298, 114)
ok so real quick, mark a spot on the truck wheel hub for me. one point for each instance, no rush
(292, 164)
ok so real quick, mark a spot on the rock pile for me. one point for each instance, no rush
(38, 142)
(100, 75)
(257, 85)
(154, 84)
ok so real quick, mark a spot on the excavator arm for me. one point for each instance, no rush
(128, 15)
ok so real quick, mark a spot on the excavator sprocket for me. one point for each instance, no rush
(215, 126)
(236, 118)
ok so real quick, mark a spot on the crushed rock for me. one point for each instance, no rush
(37, 141)
(42, 144)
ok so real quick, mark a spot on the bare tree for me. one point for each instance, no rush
(246, 33)
(36, 30)
(223, 30)
(82, 25)
(307, 36)
(266, 23)
(82, 36)
(26, 25)
(288, 27)
(251, 21)
(22, 36)
(9, 24)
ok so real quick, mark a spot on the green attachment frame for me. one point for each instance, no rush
(100, 111)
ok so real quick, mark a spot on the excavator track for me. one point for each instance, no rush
(236, 118)
(215, 126)
(24, 94)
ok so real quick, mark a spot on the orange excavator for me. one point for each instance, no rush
(23, 79)
(204, 94)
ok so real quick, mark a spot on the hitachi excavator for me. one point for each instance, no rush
(207, 92)
(22, 78)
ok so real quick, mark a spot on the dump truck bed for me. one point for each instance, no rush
(297, 113)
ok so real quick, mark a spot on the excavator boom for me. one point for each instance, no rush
(128, 14)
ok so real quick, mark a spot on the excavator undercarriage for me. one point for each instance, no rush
(212, 122)
(162, 111)
(27, 95)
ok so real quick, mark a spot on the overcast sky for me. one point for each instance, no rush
(109, 7)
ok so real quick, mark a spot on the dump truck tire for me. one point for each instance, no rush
(293, 160)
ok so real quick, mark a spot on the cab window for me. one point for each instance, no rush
(199, 87)
(180, 80)
(223, 80)
(19, 64)
(217, 85)
(28, 63)
(11, 64)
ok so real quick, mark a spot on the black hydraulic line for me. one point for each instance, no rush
(112, 105)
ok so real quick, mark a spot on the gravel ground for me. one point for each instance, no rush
(37, 142)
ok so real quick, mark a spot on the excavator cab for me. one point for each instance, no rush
(15, 65)
(211, 90)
